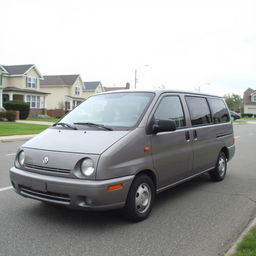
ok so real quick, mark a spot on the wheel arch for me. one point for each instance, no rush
(225, 151)
(149, 173)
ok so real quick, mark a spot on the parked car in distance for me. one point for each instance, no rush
(234, 115)
(119, 149)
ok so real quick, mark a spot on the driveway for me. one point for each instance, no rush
(197, 218)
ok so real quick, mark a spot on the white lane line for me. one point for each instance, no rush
(11, 154)
(237, 137)
(6, 188)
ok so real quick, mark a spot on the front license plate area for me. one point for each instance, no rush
(39, 185)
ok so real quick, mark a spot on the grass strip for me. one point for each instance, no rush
(247, 247)
(12, 128)
(53, 120)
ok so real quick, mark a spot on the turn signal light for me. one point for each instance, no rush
(115, 187)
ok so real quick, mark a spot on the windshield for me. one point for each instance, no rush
(121, 110)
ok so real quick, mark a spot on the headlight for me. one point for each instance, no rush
(20, 159)
(87, 167)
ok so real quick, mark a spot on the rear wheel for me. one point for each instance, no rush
(140, 199)
(219, 172)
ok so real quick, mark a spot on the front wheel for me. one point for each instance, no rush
(140, 199)
(219, 172)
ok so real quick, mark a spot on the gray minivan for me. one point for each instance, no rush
(119, 149)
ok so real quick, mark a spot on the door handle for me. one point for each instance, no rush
(195, 134)
(187, 136)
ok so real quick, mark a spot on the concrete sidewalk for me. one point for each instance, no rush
(34, 122)
(16, 137)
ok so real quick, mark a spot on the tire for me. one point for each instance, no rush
(219, 172)
(140, 199)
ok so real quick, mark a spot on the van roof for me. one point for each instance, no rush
(158, 92)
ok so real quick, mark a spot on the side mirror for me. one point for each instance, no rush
(163, 126)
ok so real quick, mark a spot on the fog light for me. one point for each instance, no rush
(88, 201)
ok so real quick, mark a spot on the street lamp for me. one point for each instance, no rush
(135, 75)
(199, 87)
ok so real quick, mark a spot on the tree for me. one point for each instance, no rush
(234, 102)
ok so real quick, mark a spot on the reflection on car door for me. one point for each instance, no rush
(203, 135)
(171, 151)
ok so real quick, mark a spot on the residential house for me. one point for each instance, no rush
(250, 101)
(115, 88)
(2, 72)
(91, 88)
(66, 92)
(21, 82)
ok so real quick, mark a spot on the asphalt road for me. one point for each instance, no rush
(196, 218)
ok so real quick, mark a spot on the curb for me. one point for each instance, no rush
(16, 138)
(232, 250)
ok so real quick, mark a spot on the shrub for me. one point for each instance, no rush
(248, 115)
(2, 116)
(43, 116)
(20, 106)
(10, 115)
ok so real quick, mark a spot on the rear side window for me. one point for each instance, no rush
(219, 111)
(199, 110)
(170, 108)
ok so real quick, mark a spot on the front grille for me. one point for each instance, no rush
(31, 167)
(45, 196)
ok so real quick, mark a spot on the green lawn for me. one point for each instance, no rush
(12, 128)
(249, 118)
(239, 122)
(43, 119)
(248, 245)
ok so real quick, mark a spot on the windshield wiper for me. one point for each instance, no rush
(96, 125)
(65, 125)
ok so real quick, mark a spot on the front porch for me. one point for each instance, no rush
(72, 102)
(11, 97)
(36, 99)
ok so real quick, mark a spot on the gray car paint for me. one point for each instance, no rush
(120, 155)
(79, 141)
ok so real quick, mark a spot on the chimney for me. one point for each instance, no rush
(127, 85)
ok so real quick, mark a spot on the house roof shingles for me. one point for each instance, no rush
(17, 69)
(16, 89)
(58, 80)
(247, 96)
(91, 86)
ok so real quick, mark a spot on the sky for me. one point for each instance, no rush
(179, 44)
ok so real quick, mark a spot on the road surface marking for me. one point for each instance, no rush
(11, 154)
(237, 137)
(6, 188)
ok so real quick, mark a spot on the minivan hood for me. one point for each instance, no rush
(79, 141)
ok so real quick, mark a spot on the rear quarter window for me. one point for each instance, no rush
(199, 110)
(219, 110)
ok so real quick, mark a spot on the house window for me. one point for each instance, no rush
(1, 79)
(77, 90)
(31, 82)
(34, 101)
(254, 97)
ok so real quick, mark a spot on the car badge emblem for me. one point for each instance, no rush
(45, 160)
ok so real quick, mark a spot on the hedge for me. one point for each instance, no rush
(248, 115)
(18, 105)
(10, 115)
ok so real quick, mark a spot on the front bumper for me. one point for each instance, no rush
(73, 193)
